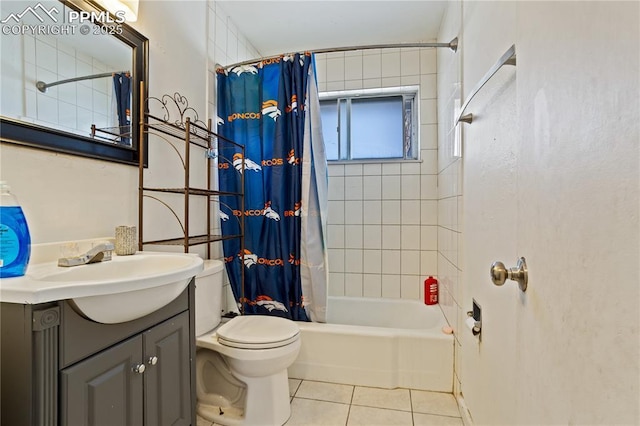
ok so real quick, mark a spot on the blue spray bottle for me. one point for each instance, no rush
(15, 241)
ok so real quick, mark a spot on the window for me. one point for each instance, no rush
(370, 124)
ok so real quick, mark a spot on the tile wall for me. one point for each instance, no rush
(71, 107)
(450, 183)
(226, 45)
(383, 216)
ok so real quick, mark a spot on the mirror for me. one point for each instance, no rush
(65, 69)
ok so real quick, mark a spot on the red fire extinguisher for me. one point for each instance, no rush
(430, 291)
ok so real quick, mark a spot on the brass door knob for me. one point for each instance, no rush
(500, 274)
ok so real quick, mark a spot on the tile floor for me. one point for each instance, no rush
(319, 403)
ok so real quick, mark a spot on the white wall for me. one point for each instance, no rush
(550, 172)
(177, 63)
(214, 40)
(382, 234)
(72, 198)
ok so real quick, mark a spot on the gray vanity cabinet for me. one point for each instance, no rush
(59, 368)
(104, 390)
(167, 376)
(141, 381)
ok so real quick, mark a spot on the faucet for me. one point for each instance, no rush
(99, 253)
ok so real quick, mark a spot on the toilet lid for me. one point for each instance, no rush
(257, 332)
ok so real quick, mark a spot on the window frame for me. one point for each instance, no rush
(408, 94)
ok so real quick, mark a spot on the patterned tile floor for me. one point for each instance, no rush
(319, 403)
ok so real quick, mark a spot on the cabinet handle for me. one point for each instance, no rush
(139, 368)
(153, 360)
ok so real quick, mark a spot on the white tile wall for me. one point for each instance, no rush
(449, 194)
(382, 216)
(372, 238)
(388, 209)
(372, 286)
(226, 45)
(71, 107)
(391, 211)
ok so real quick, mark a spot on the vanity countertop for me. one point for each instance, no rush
(46, 281)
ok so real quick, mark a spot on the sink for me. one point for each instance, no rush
(119, 290)
(121, 268)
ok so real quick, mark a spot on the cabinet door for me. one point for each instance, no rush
(167, 377)
(104, 390)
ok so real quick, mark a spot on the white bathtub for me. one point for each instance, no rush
(384, 343)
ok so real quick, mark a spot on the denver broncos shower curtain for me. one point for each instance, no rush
(272, 109)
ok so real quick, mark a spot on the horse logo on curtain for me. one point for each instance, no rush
(248, 163)
(270, 109)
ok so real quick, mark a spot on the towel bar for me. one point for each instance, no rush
(508, 58)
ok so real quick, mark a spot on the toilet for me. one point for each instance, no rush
(241, 364)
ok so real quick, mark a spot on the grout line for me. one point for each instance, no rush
(351, 403)
(383, 408)
(413, 420)
(353, 391)
(297, 389)
(439, 415)
(346, 421)
(321, 400)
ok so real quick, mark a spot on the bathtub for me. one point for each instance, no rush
(386, 343)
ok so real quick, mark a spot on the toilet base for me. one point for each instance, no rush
(228, 416)
(267, 403)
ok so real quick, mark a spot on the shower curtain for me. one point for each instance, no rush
(122, 88)
(272, 109)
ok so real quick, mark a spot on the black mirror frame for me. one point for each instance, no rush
(34, 136)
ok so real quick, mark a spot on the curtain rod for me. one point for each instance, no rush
(42, 86)
(453, 45)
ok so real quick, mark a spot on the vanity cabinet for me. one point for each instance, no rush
(104, 389)
(59, 368)
(123, 385)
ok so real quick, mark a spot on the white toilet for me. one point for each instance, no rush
(241, 365)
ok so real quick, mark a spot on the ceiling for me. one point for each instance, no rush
(275, 27)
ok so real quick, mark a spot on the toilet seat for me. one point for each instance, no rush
(258, 332)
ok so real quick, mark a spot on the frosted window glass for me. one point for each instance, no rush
(329, 114)
(343, 129)
(376, 128)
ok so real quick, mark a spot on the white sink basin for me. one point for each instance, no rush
(119, 290)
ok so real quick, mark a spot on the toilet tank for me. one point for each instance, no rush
(209, 296)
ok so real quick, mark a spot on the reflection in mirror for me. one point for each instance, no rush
(65, 75)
